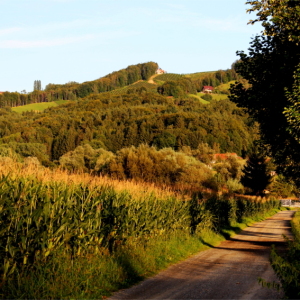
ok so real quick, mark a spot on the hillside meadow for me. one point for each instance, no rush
(37, 107)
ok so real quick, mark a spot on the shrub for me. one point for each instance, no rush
(207, 97)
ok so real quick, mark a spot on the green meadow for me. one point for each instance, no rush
(37, 106)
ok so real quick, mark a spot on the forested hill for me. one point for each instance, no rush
(74, 90)
(112, 122)
(134, 77)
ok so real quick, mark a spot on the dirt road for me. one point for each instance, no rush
(150, 80)
(228, 271)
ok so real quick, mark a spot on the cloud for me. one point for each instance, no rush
(103, 38)
(19, 44)
(177, 6)
(11, 30)
(61, 0)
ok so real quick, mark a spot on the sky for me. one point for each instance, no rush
(57, 41)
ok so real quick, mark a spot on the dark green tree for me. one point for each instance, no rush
(164, 140)
(270, 67)
(256, 175)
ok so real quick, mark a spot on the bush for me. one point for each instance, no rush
(207, 97)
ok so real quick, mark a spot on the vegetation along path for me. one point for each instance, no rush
(228, 271)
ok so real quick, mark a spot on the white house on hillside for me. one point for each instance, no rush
(160, 71)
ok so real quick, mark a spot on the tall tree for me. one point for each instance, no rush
(269, 67)
(37, 85)
(256, 172)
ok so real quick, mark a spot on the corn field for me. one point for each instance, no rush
(39, 218)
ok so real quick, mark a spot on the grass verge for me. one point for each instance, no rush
(96, 276)
(287, 265)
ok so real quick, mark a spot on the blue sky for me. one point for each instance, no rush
(57, 41)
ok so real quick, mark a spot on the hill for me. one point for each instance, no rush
(130, 79)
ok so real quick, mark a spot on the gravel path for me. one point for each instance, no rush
(228, 271)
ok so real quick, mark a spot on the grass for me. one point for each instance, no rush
(219, 97)
(37, 106)
(287, 264)
(225, 86)
(215, 97)
(199, 98)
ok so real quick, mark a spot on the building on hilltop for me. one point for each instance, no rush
(160, 71)
(207, 89)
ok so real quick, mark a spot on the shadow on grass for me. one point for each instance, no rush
(232, 229)
(205, 243)
(132, 274)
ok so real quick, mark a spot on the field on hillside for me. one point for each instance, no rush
(214, 96)
(37, 106)
(219, 96)
(199, 98)
(225, 86)
(198, 75)
(167, 77)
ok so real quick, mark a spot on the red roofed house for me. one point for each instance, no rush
(207, 89)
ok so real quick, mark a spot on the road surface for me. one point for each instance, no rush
(228, 271)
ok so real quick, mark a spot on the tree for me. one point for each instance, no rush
(37, 85)
(269, 67)
(292, 111)
(164, 140)
(278, 17)
(256, 176)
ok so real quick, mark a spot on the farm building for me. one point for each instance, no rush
(160, 71)
(207, 89)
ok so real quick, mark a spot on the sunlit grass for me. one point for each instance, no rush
(37, 106)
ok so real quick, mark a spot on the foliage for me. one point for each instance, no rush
(207, 97)
(178, 169)
(138, 87)
(282, 187)
(113, 122)
(269, 67)
(277, 17)
(292, 111)
(163, 167)
(256, 175)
